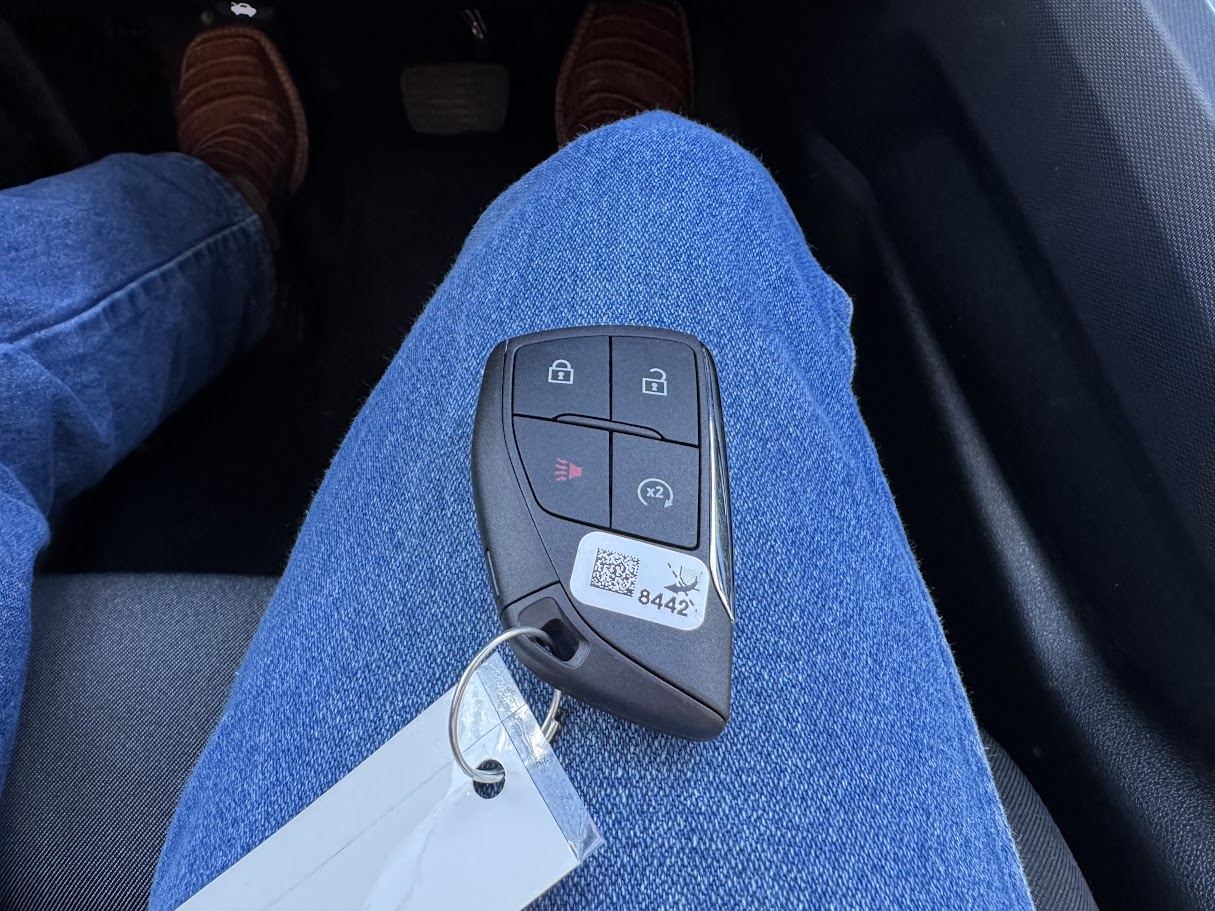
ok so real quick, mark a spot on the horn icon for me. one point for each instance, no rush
(566, 471)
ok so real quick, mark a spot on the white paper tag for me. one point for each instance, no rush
(639, 579)
(406, 831)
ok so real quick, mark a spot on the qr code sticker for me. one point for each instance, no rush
(615, 572)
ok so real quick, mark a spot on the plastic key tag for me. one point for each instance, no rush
(407, 830)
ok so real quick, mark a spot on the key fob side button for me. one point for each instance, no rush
(567, 376)
(567, 467)
(655, 490)
(654, 385)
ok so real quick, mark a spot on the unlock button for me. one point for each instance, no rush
(654, 382)
(654, 386)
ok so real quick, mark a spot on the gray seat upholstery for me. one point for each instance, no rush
(128, 676)
(1054, 877)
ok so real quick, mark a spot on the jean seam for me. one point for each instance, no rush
(120, 293)
(239, 210)
(238, 207)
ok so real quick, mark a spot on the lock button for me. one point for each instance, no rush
(564, 376)
(654, 386)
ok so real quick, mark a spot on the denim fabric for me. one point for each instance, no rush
(124, 286)
(850, 774)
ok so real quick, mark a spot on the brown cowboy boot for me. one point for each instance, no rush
(625, 58)
(238, 111)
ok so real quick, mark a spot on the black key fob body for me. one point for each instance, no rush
(599, 472)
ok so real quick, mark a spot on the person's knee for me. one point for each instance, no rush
(650, 208)
(661, 131)
(651, 175)
(659, 152)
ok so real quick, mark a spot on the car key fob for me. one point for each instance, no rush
(599, 473)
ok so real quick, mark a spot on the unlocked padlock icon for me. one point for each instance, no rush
(655, 385)
(561, 372)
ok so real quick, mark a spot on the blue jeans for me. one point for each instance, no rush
(850, 774)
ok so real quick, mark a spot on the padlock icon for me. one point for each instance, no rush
(655, 385)
(561, 372)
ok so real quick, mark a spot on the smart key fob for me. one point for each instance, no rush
(599, 472)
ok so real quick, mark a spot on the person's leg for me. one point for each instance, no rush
(850, 774)
(124, 286)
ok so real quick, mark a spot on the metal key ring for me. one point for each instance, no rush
(548, 728)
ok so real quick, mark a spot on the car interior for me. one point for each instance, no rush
(1018, 197)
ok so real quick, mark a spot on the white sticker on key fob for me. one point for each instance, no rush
(642, 580)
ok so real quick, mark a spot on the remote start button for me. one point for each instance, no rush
(655, 489)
